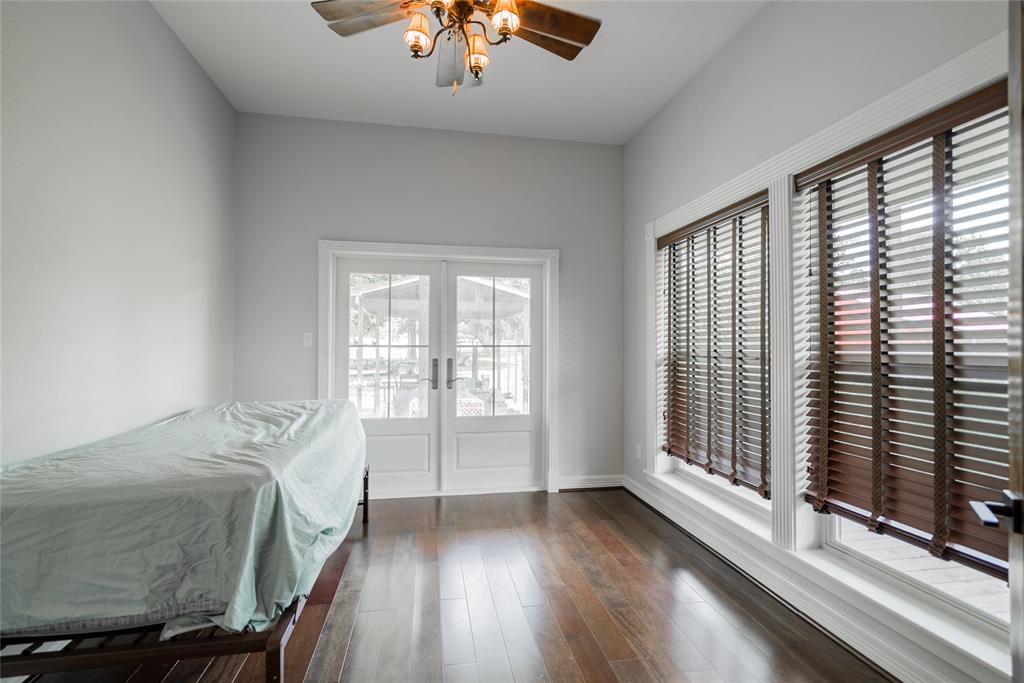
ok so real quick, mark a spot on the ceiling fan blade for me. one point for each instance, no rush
(451, 59)
(337, 10)
(559, 47)
(350, 27)
(556, 22)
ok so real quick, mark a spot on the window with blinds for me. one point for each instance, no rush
(713, 343)
(907, 405)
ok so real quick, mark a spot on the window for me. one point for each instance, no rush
(907, 386)
(713, 347)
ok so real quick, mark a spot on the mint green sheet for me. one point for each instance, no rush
(221, 515)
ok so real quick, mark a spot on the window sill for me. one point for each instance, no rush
(889, 600)
(719, 493)
(738, 506)
(910, 633)
(897, 580)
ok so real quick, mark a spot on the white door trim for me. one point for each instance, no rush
(331, 250)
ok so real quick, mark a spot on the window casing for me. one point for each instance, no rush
(712, 343)
(907, 379)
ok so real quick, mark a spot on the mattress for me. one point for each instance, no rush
(221, 515)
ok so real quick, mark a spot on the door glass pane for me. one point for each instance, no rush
(367, 379)
(493, 319)
(368, 308)
(409, 364)
(474, 310)
(512, 381)
(410, 309)
(512, 310)
(389, 344)
(475, 365)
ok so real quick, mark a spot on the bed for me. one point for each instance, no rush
(220, 517)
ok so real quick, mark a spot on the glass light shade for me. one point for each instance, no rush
(442, 4)
(476, 56)
(417, 36)
(505, 18)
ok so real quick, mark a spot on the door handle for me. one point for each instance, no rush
(433, 374)
(450, 381)
(1011, 507)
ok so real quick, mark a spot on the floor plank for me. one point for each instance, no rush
(523, 653)
(427, 660)
(364, 647)
(558, 658)
(491, 656)
(328, 658)
(457, 633)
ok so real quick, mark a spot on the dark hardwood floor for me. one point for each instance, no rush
(587, 586)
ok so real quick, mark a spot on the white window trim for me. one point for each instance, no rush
(331, 250)
(911, 633)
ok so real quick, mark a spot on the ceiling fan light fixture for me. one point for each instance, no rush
(417, 35)
(505, 18)
(462, 36)
(476, 54)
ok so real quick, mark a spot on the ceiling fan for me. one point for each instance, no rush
(461, 40)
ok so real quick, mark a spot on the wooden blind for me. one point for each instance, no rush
(909, 393)
(713, 344)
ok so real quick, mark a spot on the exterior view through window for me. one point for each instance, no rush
(493, 345)
(389, 344)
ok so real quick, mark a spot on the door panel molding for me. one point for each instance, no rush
(390, 445)
(500, 441)
(331, 251)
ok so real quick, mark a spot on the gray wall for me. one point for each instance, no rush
(300, 180)
(762, 94)
(117, 225)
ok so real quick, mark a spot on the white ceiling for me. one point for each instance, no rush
(280, 58)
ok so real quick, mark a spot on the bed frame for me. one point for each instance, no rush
(140, 645)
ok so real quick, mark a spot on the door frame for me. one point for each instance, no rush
(331, 250)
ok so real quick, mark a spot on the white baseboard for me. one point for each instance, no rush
(590, 481)
(586, 481)
(912, 640)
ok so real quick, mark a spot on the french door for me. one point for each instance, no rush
(443, 362)
(491, 426)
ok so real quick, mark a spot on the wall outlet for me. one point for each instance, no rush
(307, 339)
(639, 452)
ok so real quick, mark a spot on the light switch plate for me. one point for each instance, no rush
(307, 339)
